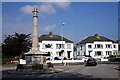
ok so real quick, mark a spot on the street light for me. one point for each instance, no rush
(62, 34)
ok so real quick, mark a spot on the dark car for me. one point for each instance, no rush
(56, 58)
(86, 57)
(91, 62)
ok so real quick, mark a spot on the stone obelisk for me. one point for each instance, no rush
(35, 30)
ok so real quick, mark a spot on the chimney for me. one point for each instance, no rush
(97, 35)
(50, 34)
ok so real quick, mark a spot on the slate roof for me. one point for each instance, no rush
(91, 39)
(46, 37)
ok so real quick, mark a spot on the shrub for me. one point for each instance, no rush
(117, 59)
(114, 58)
(9, 60)
(19, 66)
(49, 64)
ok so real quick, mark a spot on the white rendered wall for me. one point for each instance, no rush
(54, 50)
(93, 49)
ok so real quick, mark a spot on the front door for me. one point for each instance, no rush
(68, 52)
(89, 52)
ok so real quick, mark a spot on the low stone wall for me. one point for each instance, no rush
(64, 61)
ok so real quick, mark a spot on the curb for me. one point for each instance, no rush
(32, 72)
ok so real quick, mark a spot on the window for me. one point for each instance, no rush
(115, 52)
(89, 52)
(48, 46)
(114, 46)
(108, 46)
(43, 46)
(98, 53)
(89, 46)
(81, 47)
(62, 46)
(98, 46)
(68, 46)
(108, 52)
(60, 54)
(59, 46)
(84, 53)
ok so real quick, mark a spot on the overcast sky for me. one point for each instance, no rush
(82, 19)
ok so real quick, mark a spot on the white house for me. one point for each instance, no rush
(97, 47)
(56, 46)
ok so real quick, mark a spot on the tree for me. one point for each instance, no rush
(75, 49)
(118, 41)
(16, 44)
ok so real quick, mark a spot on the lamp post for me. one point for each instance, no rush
(62, 33)
(62, 46)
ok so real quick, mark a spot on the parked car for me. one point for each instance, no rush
(91, 62)
(56, 58)
(114, 58)
(86, 57)
(49, 58)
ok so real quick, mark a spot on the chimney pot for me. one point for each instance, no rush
(50, 34)
(97, 35)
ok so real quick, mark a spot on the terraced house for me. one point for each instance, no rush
(97, 46)
(55, 46)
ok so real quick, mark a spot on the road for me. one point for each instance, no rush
(76, 71)
(99, 71)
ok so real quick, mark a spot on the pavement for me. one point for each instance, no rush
(10, 73)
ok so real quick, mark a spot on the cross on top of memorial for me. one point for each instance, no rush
(35, 11)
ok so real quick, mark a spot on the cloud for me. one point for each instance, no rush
(43, 8)
(58, 3)
(27, 9)
(63, 5)
(49, 27)
(47, 8)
